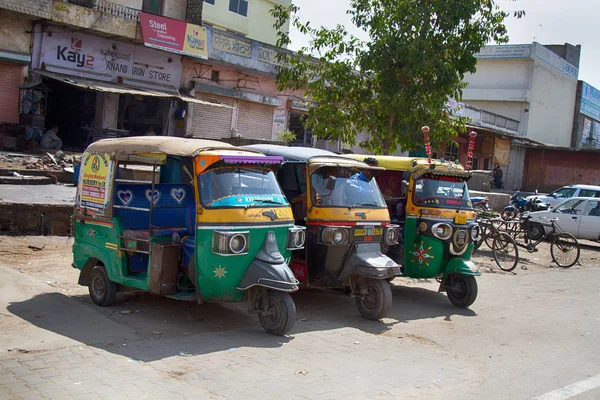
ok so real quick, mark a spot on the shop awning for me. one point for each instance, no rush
(109, 87)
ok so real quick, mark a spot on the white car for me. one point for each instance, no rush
(579, 216)
(566, 192)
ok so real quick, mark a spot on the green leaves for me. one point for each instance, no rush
(398, 81)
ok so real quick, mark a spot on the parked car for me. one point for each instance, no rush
(558, 196)
(579, 216)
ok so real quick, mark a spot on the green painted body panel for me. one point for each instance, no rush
(219, 275)
(462, 266)
(427, 256)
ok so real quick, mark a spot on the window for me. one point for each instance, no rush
(212, 2)
(571, 207)
(452, 151)
(588, 193)
(475, 163)
(239, 7)
(152, 6)
(563, 193)
(487, 164)
(593, 209)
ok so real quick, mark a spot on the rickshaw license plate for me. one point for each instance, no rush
(283, 213)
(460, 219)
(368, 232)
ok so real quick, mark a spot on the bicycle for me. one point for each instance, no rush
(504, 247)
(564, 247)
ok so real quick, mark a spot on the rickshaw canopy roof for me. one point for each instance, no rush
(394, 163)
(162, 145)
(417, 165)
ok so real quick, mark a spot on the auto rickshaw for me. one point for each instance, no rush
(430, 202)
(347, 222)
(188, 219)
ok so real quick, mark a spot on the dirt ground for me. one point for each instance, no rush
(153, 316)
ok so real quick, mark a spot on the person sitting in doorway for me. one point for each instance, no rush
(50, 140)
(150, 131)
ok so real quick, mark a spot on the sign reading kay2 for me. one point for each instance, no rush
(107, 60)
(173, 35)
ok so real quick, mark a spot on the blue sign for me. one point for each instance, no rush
(590, 101)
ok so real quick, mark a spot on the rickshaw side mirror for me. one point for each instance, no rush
(404, 189)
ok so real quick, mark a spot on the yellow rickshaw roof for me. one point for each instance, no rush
(414, 164)
(394, 163)
(162, 145)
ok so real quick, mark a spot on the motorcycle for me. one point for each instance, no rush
(515, 207)
(535, 204)
(480, 203)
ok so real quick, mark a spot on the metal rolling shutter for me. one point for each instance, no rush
(210, 122)
(255, 120)
(10, 79)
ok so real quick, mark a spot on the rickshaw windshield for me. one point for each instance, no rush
(340, 187)
(441, 191)
(240, 187)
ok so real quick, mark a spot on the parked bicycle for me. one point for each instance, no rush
(503, 246)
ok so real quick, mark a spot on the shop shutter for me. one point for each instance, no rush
(210, 122)
(255, 120)
(10, 80)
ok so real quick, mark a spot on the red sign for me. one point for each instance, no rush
(173, 35)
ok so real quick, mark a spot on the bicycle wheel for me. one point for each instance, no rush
(565, 250)
(506, 252)
(487, 235)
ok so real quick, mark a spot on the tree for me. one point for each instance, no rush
(400, 79)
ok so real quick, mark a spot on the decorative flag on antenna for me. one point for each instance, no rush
(425, 131)
(472, 136)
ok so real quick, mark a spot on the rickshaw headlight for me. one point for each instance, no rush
(392, 235)
(296, 238)
(475, 232)
(230, 243)
(442, 231)
(334, 235)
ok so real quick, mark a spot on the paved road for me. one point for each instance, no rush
(527, 335)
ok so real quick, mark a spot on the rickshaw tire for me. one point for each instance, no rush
(383, 291)
(99, 277)
(286, 309)
(468, 284)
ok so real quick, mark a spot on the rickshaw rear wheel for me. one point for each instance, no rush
(461, 290)
(102, 290)
(377, 301)
(279, 312)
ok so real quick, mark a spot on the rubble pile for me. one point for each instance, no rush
(48, 162)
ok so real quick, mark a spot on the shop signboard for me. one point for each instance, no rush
(590, 101)
(92, 57)
(95, 182)
(173, 35)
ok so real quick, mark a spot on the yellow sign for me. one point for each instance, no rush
(460, 219)
(283, 213)
(195, 41)
(94, 191)
(363, 232)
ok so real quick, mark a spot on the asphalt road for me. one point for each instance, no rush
(530, 334)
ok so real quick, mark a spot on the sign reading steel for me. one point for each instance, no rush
(174, 35)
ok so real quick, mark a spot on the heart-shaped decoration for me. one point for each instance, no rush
(178, 194)
(125, 196)
(153, 197)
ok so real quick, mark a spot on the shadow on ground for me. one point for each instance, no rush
(147, 328)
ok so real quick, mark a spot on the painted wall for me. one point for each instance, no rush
(175, 9)
(14, 36)
(553, 169)
(258, 25)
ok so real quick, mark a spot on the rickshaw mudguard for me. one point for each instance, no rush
(461, 266)
(84, 252)
(367, 259)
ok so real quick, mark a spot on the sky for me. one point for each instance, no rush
(546, 22)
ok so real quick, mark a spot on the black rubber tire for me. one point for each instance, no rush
(508, 215)
(562, 244)
(378, 303)
(283, 313)
(461, 289)
(535, 231)
(102, 290)
(506, 252)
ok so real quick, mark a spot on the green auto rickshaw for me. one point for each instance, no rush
(188, 219)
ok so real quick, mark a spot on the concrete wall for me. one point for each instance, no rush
(258, 25)
(14, 34)
(553, 169)
(38, 8)
(175, 9)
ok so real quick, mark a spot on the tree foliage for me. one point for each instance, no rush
(400, 79)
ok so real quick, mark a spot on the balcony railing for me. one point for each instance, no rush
(106, 7)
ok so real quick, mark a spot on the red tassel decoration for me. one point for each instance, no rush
(425, 131)
(472, 137)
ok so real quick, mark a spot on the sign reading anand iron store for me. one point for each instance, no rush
(173, 35)
(101, 59)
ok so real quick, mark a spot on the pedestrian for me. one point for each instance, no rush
(498, 177)
(150, 131)
(50, 140)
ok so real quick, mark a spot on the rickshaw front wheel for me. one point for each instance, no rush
(102, 290)
(278, 312)
(461, 290)
(374, 298)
